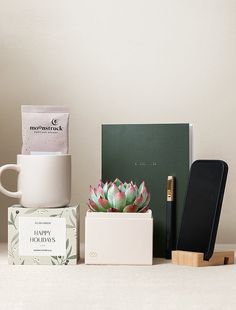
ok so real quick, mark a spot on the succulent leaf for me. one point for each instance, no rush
(141, 187)
(139, 201)
(130, 194)
(144, 209)
(106, 187)
(145, 202)
(121, 187)
(130, 208)
(117, 182)
(99, 192)
(92, 205)
(144, 192)
(119, 201)
(93, 194)
(125, 184)
(104, 203)
(136, 189)
(111, 193)
(148, 199)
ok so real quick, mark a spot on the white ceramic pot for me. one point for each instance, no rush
(118, 238)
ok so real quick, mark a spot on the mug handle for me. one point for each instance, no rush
(2, 189)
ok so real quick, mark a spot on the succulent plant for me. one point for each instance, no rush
(119, 197)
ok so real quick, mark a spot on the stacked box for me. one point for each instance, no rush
(43, 236)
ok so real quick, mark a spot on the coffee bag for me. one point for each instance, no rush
(45, 129)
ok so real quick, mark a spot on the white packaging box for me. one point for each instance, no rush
(118, 238)
(43, 236)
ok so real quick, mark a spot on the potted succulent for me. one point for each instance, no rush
(119, 224)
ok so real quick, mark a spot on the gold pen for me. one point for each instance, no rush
(170, 216)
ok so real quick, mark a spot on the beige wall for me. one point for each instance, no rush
(126, 61)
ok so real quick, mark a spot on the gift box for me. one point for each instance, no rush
(118, 238)
(43, 236)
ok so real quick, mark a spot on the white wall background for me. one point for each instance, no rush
(126, 61)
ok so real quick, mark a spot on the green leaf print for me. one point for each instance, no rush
(68, 254)
(15, 238)
(67, 243)
(30, 211)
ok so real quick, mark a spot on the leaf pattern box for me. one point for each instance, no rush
(48, 236)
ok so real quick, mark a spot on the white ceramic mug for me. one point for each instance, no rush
(44, 181)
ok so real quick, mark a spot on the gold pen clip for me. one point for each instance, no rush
(170, 188)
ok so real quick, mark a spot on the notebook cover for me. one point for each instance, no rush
(150, 152)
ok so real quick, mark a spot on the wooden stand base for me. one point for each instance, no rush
(195, 259)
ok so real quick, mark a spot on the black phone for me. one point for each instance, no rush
(202, 207)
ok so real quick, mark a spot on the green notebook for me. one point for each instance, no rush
(150, 152)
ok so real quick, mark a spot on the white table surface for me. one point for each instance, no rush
(161, 286)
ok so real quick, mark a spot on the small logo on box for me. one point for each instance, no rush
(93, 254)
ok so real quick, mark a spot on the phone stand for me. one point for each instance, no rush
(195, 259)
